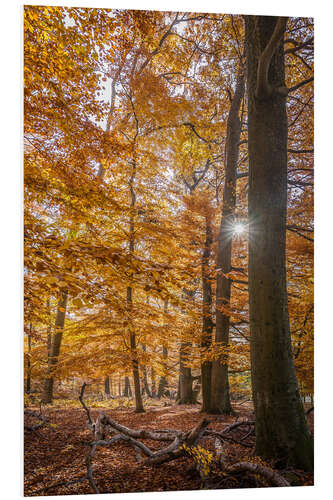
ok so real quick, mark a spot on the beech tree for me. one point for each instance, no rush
(281, 429)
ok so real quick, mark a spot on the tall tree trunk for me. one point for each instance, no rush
(28, 386)
(163, 382)
(107, 386)
(134, 353)
(220, 398)
(153, 383)
(47, 395)
(185, 389)
(49, 331)
(135, 363)
(281, 429)
(127, 389)
(145, 386)
(207, 323)
(186, 395)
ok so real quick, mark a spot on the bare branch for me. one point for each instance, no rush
(300, 84)
(83, 403)
(298, 46)
(300, 151)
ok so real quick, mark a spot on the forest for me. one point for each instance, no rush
(168, 251)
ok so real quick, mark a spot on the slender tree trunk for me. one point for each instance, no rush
(186, 395)
(107, 386)
(207, 323)
(134, 353)
(185, 392)
(135, 363)
(145, 386)
(49, 331)
(281, 429)
(47, 395)
(178, 390)
(28, 386)
(220, 398)
(153, 383)
(163, 383)
(127, 389)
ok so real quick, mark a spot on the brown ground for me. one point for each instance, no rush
(55, 453)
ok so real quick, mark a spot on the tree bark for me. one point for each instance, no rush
(107, 386)
(135, 363)
(28, 385)
(281, 429)
(185, 388)
(47, 395)
(207, 323)
(145, 386)
(153, 383)
(127, 389)
(186, 395)
(220, 398)
(163, 382)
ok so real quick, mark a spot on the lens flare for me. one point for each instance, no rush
(239, 228)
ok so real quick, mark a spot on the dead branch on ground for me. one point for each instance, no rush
(177, 444)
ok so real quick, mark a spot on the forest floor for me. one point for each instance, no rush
(56, 453)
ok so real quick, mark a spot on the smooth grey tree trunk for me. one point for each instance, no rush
(145, 386)
(185, 387)
(107, 386)
(207, 323)
(28, 385)
(163, 382)
(281, 430)
(220, 398)
(47, 395)
(153, 383)
(127, 389)
(186, 395)
(134, 353)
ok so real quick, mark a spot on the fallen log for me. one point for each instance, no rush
(179, 444)
(164, 435)
(271, 475)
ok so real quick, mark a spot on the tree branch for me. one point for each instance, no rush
(264, 89)
(300, 84)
